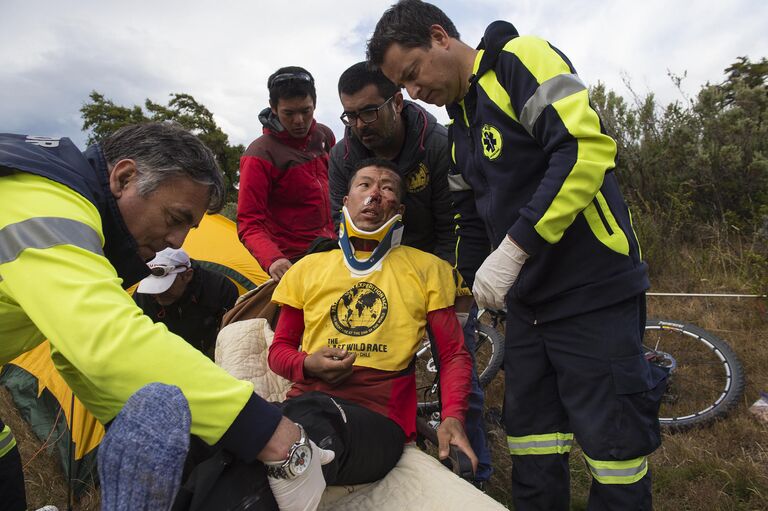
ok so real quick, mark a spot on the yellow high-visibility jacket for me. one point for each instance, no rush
(61, 240)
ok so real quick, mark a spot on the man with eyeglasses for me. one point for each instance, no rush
(283, 201)
(380, 123)
(187, 298)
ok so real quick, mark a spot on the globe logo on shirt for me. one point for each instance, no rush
(360, 310)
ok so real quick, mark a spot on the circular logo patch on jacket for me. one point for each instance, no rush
(360, 310)
(418, 179)
(491, 139)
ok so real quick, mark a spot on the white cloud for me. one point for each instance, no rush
(645, 40)
(52, 56)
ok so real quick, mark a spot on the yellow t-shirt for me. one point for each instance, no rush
(381, 316)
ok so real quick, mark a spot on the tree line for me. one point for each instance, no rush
(101, 117)
(701, 160)
(693, 167)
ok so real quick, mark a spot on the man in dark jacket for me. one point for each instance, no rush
(380, 123)
(186, 298)
(537, 166)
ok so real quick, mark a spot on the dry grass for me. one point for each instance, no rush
(43, 476)
(722, 467)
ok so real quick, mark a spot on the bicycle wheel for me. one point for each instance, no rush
(426, 376)
(489, 353)
(706, 377)
(489, 356)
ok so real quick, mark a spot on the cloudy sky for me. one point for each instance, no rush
(53, 53)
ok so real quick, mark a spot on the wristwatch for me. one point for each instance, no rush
(298, 460)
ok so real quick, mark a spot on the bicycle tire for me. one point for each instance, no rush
(489, 353)
(707, 377)
(489, 357)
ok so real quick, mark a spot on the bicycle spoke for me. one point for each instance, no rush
(701, 385)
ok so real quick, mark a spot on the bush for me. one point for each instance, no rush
(696, 172)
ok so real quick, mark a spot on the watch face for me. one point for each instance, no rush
(300, 459)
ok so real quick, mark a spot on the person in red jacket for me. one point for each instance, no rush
(284, 203)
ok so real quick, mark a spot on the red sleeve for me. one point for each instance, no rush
(455, 362)
(285, 359)
(252, 208)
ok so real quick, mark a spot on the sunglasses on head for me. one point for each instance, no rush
(284, 77)
(161, 270)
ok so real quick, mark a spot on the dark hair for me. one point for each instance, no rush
(290, 82)
(361, 74)
(383, 163)
(163, 151)
(407, 24)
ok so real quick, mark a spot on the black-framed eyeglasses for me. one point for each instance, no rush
(161, 270)
(367, 115)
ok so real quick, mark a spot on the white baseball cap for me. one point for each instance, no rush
(165, 266)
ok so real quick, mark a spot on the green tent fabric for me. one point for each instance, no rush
(48, 420)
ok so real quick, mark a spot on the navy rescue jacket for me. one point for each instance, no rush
(533, 162)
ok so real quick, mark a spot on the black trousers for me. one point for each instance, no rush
(367, 446)
(585, 377)
(12, 494)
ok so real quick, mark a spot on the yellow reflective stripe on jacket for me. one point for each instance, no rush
(598, 215)
(637, 238)
(618, 472)
(538, 57)
(7, 441)
(46, 232)
(550, 443)
(596, 154)
(566, 93)
(496, 93)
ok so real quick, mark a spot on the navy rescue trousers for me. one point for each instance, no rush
(586, 378)
(474, 422)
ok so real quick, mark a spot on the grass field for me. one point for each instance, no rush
(722, 467)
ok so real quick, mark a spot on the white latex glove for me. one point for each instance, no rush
(303, 492)
(497, 274)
